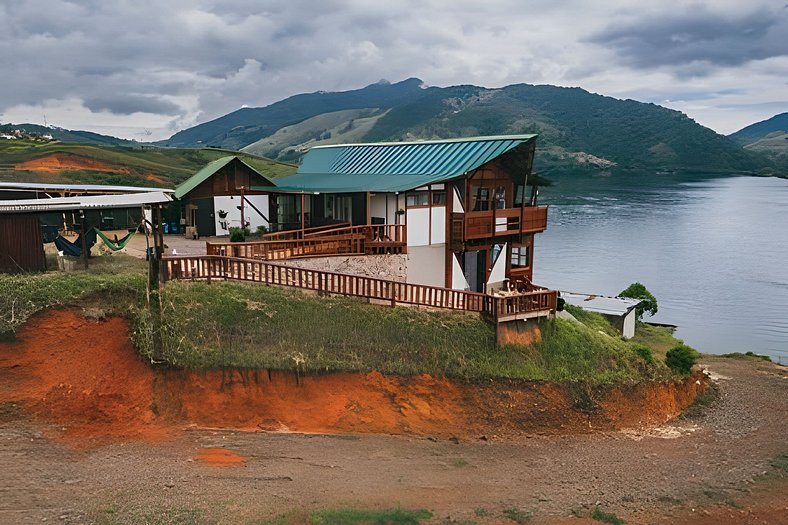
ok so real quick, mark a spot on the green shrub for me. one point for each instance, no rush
(681, 358)
(238, 234)
(645, 353)
(262, 230)
(606, 517)
(648, 303)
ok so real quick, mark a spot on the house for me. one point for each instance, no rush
(220, 196)
(465, 205)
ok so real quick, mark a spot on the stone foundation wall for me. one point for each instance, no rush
(391, 267)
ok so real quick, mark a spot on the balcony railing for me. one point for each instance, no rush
(508, 221)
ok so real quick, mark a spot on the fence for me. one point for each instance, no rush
(210, 267)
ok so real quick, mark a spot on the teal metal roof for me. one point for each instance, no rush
(208, 170)
(394, 166)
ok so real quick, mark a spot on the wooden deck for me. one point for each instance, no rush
(318, 242)
(212, 267)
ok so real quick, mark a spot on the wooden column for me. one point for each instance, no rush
(83, 229)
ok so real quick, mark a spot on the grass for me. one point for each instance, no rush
(606, 517)
(252, 326)
(395, 516)
(167, 166)
(747, 355)
(659, 338)
(238, 325)
(23, 295)
(516, 515)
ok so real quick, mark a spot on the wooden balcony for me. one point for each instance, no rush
(509, 221)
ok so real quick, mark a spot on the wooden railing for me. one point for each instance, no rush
(289, 249)
(508, 221)
(300, 234)
(347, 240)
(212, 267)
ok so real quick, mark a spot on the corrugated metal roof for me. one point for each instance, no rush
(129, 200)
(364, 167)
(87, 188)
(601, 303)
(209, 169)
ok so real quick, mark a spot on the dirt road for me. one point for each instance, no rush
(717, 464)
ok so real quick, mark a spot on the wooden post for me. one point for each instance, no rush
(302, 214)
(243, 221)
(84, 241)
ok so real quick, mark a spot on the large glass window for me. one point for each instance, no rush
(439, 198)
(338, 207)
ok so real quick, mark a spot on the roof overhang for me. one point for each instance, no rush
(94, 202)
(100, 189)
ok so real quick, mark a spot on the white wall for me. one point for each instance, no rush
(498, 273)
(438, 225)
(629, 325)
(229, 204)
(418, 224)
(426, 265)
(378, 206)
(458, 280)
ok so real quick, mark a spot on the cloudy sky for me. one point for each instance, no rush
(144, 69)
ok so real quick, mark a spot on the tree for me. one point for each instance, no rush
(648, 303)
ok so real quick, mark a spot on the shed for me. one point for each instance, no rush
(21, 246)
(620, 311)
(220, 195)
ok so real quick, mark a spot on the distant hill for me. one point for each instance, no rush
(769, 137)
(751, 133)
(244, 126)
(35, 161)
(67, 135)
(578, 129)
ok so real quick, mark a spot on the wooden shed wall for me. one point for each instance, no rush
(21, 245)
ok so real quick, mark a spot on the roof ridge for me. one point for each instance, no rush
(431, 141)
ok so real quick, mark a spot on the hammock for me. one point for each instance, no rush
(116, 244)
(74, 249)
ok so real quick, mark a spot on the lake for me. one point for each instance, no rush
(713, 250)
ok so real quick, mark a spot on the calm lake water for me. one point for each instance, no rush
(713, 250)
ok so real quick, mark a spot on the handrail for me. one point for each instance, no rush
(540, 302)
(347, 240)
(301, 233)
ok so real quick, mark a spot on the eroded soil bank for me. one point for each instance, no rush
(84, 380)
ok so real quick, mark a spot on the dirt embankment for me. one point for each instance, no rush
(57, 162)
(85, 380)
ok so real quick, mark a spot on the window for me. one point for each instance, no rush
(338, 207)
(418, 199)
(439, 198)
(520, 256)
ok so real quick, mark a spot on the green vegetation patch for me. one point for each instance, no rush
(606, 517)
(747, 355)
(347, 516)
(118, 278)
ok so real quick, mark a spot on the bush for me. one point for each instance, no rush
(262, 230)
(238, 234)
(681, 358)
(645, 353)
(648, 303)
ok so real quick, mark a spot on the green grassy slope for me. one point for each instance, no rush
(228, 324)
(146, 167)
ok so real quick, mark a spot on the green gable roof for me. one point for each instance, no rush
(395, 166)
(206, 172)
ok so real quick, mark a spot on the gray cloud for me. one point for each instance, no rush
(698, 35)
(94, 64)
(128, 104)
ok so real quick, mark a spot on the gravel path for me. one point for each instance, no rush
(717, 460)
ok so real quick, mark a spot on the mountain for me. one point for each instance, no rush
(769, 137)
(244, 126)
(66, 135)
(753, 132)
(578, 129)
